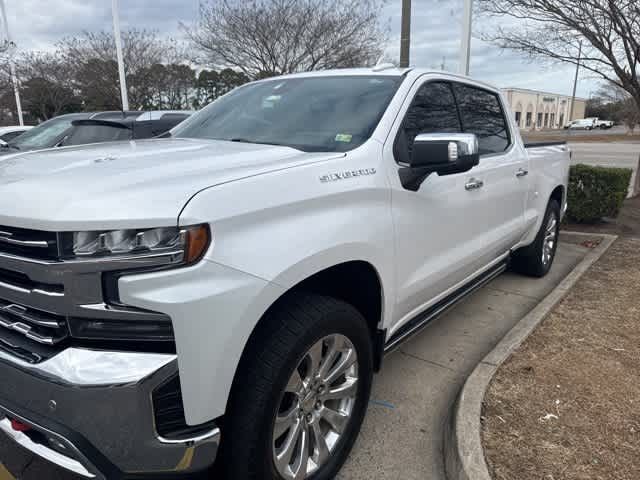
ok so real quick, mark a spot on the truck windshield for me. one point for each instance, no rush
(315, 114)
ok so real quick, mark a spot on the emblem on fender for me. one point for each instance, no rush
(347, 174)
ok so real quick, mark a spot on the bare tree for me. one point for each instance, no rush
(608, 29)
(270, 37)
(96, 76)
(630, 115)
(47, 83)
(618, 104)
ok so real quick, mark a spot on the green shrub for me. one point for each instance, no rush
(596, 192)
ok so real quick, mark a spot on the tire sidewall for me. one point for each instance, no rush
(345, 321)
(552, 209)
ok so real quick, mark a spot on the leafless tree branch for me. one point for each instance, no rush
(271, 37)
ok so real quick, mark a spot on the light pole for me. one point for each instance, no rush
(405, 35)
(116, 34)
(575, 82)
(12, 67)
(465, 46)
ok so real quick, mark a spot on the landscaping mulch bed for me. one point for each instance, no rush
(566, 405)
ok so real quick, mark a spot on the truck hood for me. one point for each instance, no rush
(128, 184)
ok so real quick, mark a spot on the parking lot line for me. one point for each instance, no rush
(4, 474)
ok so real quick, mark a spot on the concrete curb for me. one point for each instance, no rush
(463, 452)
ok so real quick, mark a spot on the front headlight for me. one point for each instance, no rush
(192, 241)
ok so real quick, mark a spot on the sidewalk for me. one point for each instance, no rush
(566, 405)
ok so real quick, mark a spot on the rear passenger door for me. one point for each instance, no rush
(503, 168)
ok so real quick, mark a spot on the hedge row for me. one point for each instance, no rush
(596, 192)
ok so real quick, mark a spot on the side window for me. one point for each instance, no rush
(433, 110)
(482, 114)
(10, 136)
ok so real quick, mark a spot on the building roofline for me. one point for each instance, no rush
(539, 92)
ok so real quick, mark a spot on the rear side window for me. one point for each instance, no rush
(481, 113)
(93, 133)
(433, 110)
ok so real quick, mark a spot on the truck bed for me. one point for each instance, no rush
(543, 144)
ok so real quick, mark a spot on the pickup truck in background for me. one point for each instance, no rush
(226, 294)
(601, 124)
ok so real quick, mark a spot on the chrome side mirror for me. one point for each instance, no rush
(441, 153)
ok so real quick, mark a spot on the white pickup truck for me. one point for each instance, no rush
(226, 294)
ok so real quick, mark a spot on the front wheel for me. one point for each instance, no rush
(536, 259)
(301, 392)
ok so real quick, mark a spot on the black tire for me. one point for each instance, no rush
(529, 260)
(281, 340)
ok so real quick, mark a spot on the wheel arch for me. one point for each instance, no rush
(558, 195)
(336, 281)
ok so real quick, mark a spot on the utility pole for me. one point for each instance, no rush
(575, 82)
(405, 35)
(116, 33)
(465, 46)
(12, 67)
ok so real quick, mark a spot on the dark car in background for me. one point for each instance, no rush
(94, 127)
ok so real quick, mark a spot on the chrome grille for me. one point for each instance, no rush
(30, 243)
(40, 327)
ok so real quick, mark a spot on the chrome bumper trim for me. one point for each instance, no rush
(102, 402)
(56, 458)
(87, 368)
(212, 436)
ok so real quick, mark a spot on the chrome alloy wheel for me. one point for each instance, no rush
(550, 239)
(315, 407)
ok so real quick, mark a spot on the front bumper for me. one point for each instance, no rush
(91, 412)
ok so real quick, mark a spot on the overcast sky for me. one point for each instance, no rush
(436, 29)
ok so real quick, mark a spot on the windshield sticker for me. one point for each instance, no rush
(344, 138)
(271, 101)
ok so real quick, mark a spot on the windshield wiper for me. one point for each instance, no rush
(8, 145)
(246, 140)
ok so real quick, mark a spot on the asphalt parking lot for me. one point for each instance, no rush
(402, 435)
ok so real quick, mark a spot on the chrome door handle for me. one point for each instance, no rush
(522, 172)
(473, 184)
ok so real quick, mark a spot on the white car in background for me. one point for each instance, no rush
(9, 133)
(583, 124)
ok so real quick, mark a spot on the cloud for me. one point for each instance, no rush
(436, 30)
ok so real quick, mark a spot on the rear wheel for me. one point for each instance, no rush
(301, 392)
(536, 259)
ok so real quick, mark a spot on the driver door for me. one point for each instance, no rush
(438, 228)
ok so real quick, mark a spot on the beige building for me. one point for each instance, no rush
(535, 110)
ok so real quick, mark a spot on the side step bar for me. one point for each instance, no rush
(417, 323)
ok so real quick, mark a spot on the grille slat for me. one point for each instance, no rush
(29, 243)
(37, 326)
